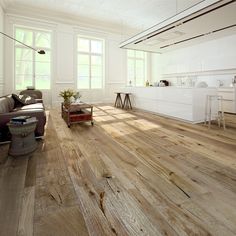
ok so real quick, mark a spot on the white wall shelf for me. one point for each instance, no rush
(202, 73)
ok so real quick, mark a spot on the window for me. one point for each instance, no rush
(31, 68)
(90, 63)
(136, 67)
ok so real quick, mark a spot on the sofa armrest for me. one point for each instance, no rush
(29, 112)
(38, 113)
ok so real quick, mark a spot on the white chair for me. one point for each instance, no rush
(214, 110)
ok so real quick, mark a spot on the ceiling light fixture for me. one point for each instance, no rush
(38, 51)
(198, 36)
(179, 20)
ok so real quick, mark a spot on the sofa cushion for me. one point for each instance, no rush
(6, 104)
(37, 94)
(11, 102)
(32, 106)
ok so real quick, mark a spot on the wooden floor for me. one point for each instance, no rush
(132, 173)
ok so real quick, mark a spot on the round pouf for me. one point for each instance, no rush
(23, 139)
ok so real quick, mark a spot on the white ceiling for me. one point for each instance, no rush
(207, 20)
(121, 14)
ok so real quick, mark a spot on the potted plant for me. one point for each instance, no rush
(68, 94)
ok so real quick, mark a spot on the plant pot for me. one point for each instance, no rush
(67, 103)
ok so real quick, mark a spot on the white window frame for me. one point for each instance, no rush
(135, 58)
(34, 30)
(90, 54)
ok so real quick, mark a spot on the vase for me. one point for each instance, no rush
(67, 102)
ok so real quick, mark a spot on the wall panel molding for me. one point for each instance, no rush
(65, 82)
(115, 82)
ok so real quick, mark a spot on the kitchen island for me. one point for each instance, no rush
(178, 102)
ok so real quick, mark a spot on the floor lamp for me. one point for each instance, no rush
(38, 51)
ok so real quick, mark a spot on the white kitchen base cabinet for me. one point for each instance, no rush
(182, 103)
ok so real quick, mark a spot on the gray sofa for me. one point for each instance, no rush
(9, 110)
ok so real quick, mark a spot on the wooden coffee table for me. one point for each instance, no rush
(77, 113)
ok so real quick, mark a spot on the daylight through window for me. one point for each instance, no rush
(31, 68)
(90, 63)
(136, 67)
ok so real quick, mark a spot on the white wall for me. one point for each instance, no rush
(209, 61)
(156, 65)
(1, 50)
(64, 60)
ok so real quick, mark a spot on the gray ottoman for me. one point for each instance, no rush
(23, 139)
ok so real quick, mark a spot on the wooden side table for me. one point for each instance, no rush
(77, 113)
(23, 139)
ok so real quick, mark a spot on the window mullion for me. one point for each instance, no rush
(34, 75)
(135, 72)
(90, 72)
(144, 70)
(90, 67)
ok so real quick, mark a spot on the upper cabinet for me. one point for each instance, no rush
(209, 19)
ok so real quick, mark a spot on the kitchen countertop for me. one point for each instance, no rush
(176, 87)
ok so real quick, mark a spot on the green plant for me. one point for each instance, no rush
(67, 94)
(77, 95)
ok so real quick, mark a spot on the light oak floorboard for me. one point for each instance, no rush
(132, 173)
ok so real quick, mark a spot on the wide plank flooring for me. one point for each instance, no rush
(132, 173)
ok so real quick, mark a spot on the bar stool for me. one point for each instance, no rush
(214, 109)
(118, 102)
(127, 102)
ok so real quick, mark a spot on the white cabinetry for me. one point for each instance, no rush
(229, 99)
(181, 103)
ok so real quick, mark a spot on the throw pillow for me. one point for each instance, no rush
(21, 100)
(17, 100)
(28, 99)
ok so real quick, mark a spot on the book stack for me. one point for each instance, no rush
(21, 120)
